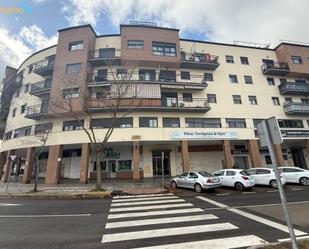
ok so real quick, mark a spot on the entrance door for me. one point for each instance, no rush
(112, 168)
(298, 158)
(157, 163)
(241, 162)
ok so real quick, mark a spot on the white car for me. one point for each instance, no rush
(237, 178)
(295, 175)
(265, 176)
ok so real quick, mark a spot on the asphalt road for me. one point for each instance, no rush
(203, 220)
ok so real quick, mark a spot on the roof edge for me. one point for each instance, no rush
(149, 27)
(77, 27)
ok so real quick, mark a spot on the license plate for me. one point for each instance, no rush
(215, 180)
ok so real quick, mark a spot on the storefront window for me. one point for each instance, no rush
(103, 166)
(124, 165)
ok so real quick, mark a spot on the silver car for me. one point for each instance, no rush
(198, 180)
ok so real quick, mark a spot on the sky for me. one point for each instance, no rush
(262, 21)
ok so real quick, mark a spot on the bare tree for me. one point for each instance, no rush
(119, 98)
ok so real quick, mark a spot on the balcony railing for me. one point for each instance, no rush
(195, 81)
(294, 88)
(44, 67)
(151, 104)
(41, 87)
(275, 68)
(104, 58)
(199, 61)
(296, 108)
(36, 111)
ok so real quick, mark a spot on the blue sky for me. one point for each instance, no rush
(264, 21)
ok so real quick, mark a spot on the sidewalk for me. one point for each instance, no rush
(72, 188)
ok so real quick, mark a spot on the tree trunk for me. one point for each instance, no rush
(99, 174)
(36, 180)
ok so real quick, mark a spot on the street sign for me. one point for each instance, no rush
(12, 157)
(273, 130)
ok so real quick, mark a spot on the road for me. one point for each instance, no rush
(224, 219)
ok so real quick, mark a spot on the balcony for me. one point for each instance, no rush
(36, 112)
(41, 88)
(44, 67)
(104, 57)
(196, 82)
(296, 108)
(275, 68)
(294, 88)
(199, 61)
(199, 105)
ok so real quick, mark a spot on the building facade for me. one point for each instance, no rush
(199, 103)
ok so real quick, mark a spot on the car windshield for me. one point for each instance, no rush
(205, 174)
(245, 173)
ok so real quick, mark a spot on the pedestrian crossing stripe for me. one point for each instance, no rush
(151, 207)
(145, 202)
(147, 198)
(141, 196)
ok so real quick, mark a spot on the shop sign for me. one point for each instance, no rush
(203, 134)
(303, 133)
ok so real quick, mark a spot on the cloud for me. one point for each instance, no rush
(264, 21)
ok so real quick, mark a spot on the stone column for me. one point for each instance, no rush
(2, 162)
(136, 160)
(7, 165)
(228, 157)
(278, 155)
(185, 155)
(84, 164)
(254, 153)
(53, 166)
(28, 165)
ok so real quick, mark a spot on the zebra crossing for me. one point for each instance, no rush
(166, 221)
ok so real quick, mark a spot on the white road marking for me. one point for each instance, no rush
(160, 221)
(148, 198)
(253, 217)
(150, 207)
(140, 196)
(245, 193)
(9, 204)
(44, 215)
(225, 243)
(297, 189)
(154, 213)
(166, 232)
(222, 194)
(297, 238)
(272, 191)
(145, 202)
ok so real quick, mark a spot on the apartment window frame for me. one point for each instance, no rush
(169, 122)
(244, 60)
(291, 123)
(148, 122)
(203, 122)
(30, 68)
(72, 125)
(76, 45)
(187, 97)
(236, 122)
(233, 78)
(69, 93)
(208, 77)
(22, 132)
(164, 49)
(8, 135)
(135, 44)
(212, 98)
(43, 128)
(296, 59)
(288, 99)
(270, 81)
(23, 108)
(27, 88)
(185, 75)
(229, 59)
(252, 100)
(122, 73)
(276, 101)
(237, 99)
(73, 68)
(14, 112)
(248, 79)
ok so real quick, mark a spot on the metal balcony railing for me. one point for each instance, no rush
(296, 108)
(294, 88)
(36, 111)
(275, 68)
(41, 87)
(104, 57)
(199, 60)
(44, 67)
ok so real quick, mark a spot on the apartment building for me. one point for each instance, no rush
(199, 105)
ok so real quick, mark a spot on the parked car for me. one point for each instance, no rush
(237, 178)
(265, 176)
(198, 180)
(295, 175)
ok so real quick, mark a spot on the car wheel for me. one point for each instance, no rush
(239, 186)
(174, 184)
(273, 184)
(198, 188)
(304, 181)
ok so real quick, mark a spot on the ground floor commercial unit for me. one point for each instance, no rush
(143, 159)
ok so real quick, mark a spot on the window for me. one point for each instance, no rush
(148, 122)
(233, 78)
(43, 128)
(167, 75)
(275, 100)
(203, 122)
(70, 93)
(8, 135)
(292, 170)
(229, 59)
(17, 92)
(305, 101)
(212, 98)
(102, 166)
(236, 122)
(101, 75)
(107, 53)
(135, 44)
(164, 49)
(219, 173)
(288, 99)
(271, 81)
(237, 99)
(252, 100)
(72, 125)
(14, 112)
(256, 121)
(244, 60)
(109, 122)
(30, 68)
(73, 68)
(187, 97)
(208, 77)
(230, 173)
(268, 160)
(121, 73)
(23, 108)
(124, 165)
(296, 59)
(21, 132)
(171, 122)
(192, 175)
(147, 74)
(27, 87)
(282, 80)
(76, 45)
(185, 75)
(248, 79)
(290, 123)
